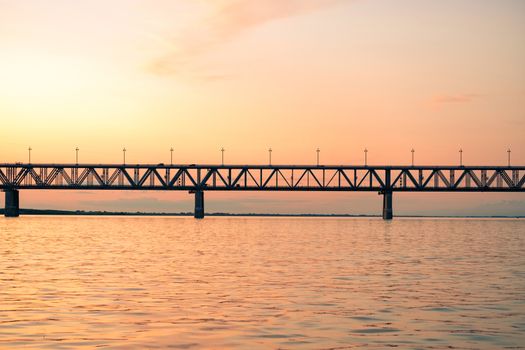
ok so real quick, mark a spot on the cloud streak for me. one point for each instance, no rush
(460, 98)
(228, 19)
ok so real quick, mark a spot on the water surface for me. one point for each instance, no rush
(261, 283)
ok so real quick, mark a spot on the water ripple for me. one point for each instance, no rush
(261, 283)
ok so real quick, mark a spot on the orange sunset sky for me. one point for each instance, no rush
(294, 75)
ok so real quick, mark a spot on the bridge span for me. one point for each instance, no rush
(198, 178)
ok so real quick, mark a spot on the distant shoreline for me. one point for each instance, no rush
(138, 213)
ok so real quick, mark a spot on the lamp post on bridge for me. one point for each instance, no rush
(366, 157)
(508, 159)
(222, 155)
(460, 157)
(29, 150)
(270, 156)
(124, 155)
(171, 156)
(413, 151)
(76, 155)
(318, 151)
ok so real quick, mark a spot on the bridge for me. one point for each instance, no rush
(197, 179)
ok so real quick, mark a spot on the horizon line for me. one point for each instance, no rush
(81, 212)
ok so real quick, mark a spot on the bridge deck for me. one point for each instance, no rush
(211, 177)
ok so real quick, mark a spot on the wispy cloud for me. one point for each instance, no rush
(460, 98)
(227, 20)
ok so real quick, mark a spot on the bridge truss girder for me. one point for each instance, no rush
(263, 178)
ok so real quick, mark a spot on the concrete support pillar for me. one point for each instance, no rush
(12, 204)
(199, 205)
(388, 213)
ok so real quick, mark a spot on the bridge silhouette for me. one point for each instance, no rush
(198, 178)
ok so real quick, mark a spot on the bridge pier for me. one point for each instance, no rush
(12, 203)
(388, 213)
(199, 205)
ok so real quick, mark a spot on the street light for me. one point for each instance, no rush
(270, 155)
(124, 153)
(318, 151)
(29, 149)
(460, 157)
(171, 155)
(76, 156)
(366, 158)
(508, 160)
(412, 156)
(222, 155)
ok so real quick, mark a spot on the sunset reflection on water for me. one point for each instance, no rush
(309, 283)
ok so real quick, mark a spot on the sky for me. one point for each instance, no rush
(246, 75)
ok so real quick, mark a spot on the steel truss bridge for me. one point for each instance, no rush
(199, 178)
